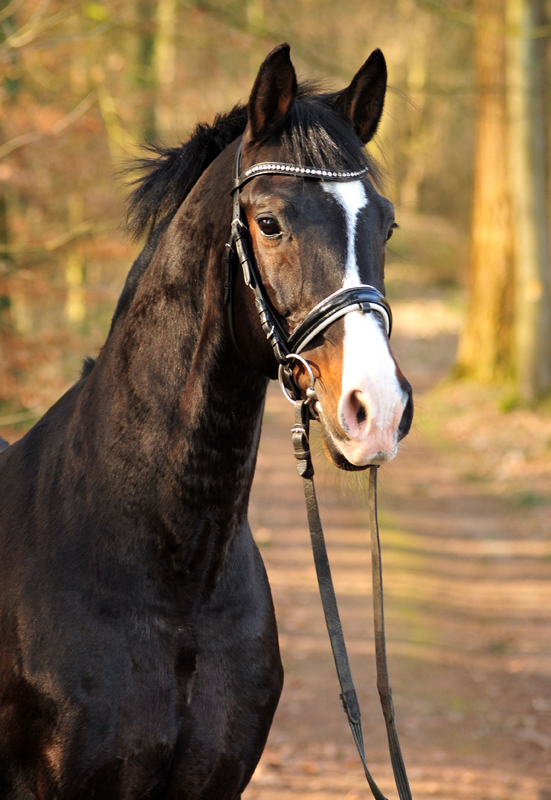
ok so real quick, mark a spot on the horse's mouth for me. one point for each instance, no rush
(348, 454)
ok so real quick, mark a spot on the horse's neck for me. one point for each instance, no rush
(179, 418)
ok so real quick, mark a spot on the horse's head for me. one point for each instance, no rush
(316, 227)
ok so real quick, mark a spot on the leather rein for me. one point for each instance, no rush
(287, 349)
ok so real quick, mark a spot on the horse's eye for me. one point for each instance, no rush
(268, 226)
(391, 230)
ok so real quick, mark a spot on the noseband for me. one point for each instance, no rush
(287, 348)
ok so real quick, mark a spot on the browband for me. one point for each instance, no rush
(279, 168)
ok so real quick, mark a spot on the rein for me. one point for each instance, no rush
(348, 695)
(287, 349)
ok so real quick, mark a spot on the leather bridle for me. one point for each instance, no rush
(288, 347)
(287, 350)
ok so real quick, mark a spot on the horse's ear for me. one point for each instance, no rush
(273, 93)
(361, 104)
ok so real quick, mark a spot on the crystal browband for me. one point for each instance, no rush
(278, 168)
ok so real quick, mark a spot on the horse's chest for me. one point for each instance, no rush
(133, 705)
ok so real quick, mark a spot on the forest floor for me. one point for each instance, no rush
(465, 517)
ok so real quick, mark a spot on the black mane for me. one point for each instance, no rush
(168, 176)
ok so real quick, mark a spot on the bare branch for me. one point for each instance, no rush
(34, 27)
(56, 130)
(29, 30)
(11, 8)
(21, 416)
(84, 229)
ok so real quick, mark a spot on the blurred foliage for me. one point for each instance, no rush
(84, 84)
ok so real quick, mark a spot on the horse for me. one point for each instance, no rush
(139, 653)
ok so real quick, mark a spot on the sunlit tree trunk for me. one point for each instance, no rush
(143, 65)
(527, 73)
(155, 65)
(75, 299)
(485, 347)
(256, 26)
(165, 66)
(418, 146)
(5, 259)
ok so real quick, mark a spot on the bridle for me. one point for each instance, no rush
(287, 350)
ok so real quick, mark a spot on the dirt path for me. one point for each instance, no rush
(468, 611)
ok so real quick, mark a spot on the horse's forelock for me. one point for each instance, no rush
(316, 135)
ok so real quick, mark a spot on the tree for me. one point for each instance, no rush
(485, 348)
(164, 61)
(508, 329)
(527, 73)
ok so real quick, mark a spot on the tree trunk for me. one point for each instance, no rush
(485, 347)
(418, 146)
(527, 71)
(164, 60)
(256, 26)
(75, 299)
(143, 66)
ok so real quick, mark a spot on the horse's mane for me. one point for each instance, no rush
(168, 174)
(314, 135)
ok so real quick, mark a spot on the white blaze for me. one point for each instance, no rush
(368, 368)
(352, 197)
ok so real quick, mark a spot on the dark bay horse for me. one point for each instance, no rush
(138, 646)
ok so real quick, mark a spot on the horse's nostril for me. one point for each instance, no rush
(358, 408)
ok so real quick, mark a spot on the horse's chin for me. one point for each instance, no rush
(335, 456)
(347, 454)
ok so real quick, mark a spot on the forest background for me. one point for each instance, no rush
(464, 144)
(464, 148)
